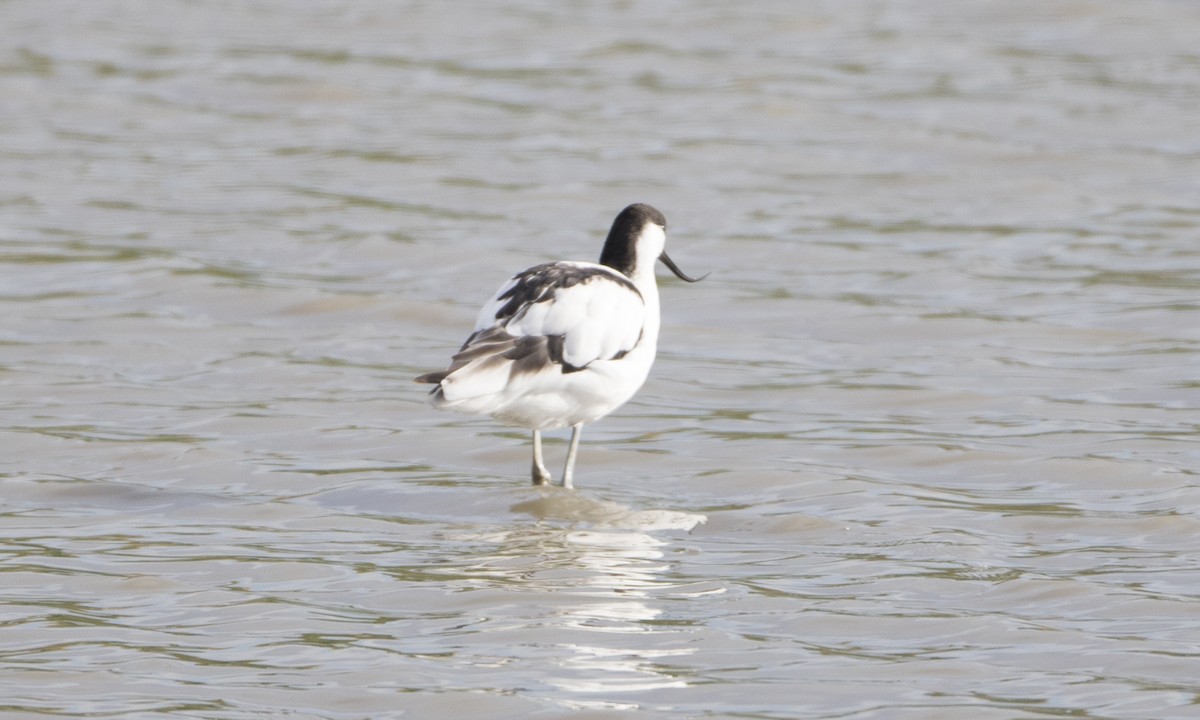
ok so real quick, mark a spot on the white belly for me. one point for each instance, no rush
(553, 399)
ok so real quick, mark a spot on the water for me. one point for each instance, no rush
(924, 445)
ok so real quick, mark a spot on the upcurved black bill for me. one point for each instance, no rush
(675, 269)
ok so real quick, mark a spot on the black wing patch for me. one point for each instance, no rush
(529, 354)
(540, 283)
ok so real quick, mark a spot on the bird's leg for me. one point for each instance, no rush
(572, 451)
(541, 476)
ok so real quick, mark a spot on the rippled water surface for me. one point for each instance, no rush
(924, 444)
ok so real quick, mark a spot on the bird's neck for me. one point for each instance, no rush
(644, 280)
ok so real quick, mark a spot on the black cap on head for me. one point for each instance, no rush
(620, 249)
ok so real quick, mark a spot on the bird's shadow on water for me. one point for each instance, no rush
(571, 506)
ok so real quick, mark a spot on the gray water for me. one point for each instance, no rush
(924, 444)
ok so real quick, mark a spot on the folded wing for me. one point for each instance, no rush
(556, 318)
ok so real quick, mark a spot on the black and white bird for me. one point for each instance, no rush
(564, 343)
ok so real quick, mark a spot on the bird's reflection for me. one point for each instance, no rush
(601, 594)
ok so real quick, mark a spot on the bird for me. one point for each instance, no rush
(564, 343)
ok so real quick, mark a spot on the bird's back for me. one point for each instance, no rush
(559, 344)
